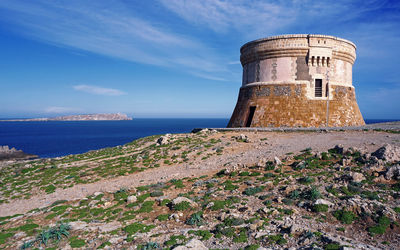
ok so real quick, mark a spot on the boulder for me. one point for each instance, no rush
(178, 200)
(388, 153)
(393, 172)
(131, 199)
(324, 202)
(357, 177)
(277, 162)
(192, 244)
(243, 138)
(163, 140)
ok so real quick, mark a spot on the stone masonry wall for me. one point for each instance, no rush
(286, 105)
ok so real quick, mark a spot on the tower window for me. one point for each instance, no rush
(318, 87)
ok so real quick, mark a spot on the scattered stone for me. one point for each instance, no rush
(243, 138)
(192, 244)
(165, 139)
(277, 162)
(97, 194)
(178, 200)
(393, 172)
(357, 177)
(131, 199)
(78, 225)
(324, 202)
(388, 153)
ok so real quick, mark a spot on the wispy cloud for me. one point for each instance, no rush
(59, 110)
(96, 90)
(224, 16)
(111, 29)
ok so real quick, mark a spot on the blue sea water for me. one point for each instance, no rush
(52, 139)
(59, 138)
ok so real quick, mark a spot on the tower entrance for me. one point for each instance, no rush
(250, 116)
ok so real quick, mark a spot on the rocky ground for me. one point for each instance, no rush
(216, 190)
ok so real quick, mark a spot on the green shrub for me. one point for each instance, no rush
(141, 198)
(196, 219)
(252, 247)
(76, 243)
(50, 189)
(325, 156)
(149, 246)
(346, 217)
(332, 246)
(306, 180)
(174, 240)
(163, 217)
(156, 193)
(253, 190)
(137, 227)
(277, 239)
(312, 194)
(320, 208)
(177, 183)
(55, 233)
(241, 237)
(381, 226)
(184, 205)
(121, 195)
(146, 207)
(229, 186)
(4, 237)
(269, 166)
(269, 175)
(244, 173)
(28, 227)
(204, 234)
(217, 205)
(232, 221)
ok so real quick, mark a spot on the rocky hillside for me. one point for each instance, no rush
(307, 199)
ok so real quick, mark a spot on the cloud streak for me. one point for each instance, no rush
(112, 29)
(96, 90)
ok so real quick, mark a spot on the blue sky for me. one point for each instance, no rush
(175, 58)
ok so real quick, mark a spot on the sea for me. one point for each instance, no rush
(60, 138)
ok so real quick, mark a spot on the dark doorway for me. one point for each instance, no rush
(250, 117)
(318, 87)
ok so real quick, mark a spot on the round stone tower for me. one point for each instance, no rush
(297, 81)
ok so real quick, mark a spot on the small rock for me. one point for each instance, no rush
(164, 139)
(324, 202)
(192, 244)
(178, 200)
(357, 177)
(97, 193)
(77, 225)
(131, 199)
(277, 162)
(393, 172)
(388, 153)
(19, 235)
(116, 240)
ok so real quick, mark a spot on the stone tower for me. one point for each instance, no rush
(297, 81)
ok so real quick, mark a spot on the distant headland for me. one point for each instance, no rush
(89, 117)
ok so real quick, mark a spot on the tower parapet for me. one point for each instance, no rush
(297, 80)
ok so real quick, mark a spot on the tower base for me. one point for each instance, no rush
(289, 105)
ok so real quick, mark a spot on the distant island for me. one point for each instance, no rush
(90, 117)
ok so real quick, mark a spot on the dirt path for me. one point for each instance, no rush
(276, 144)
